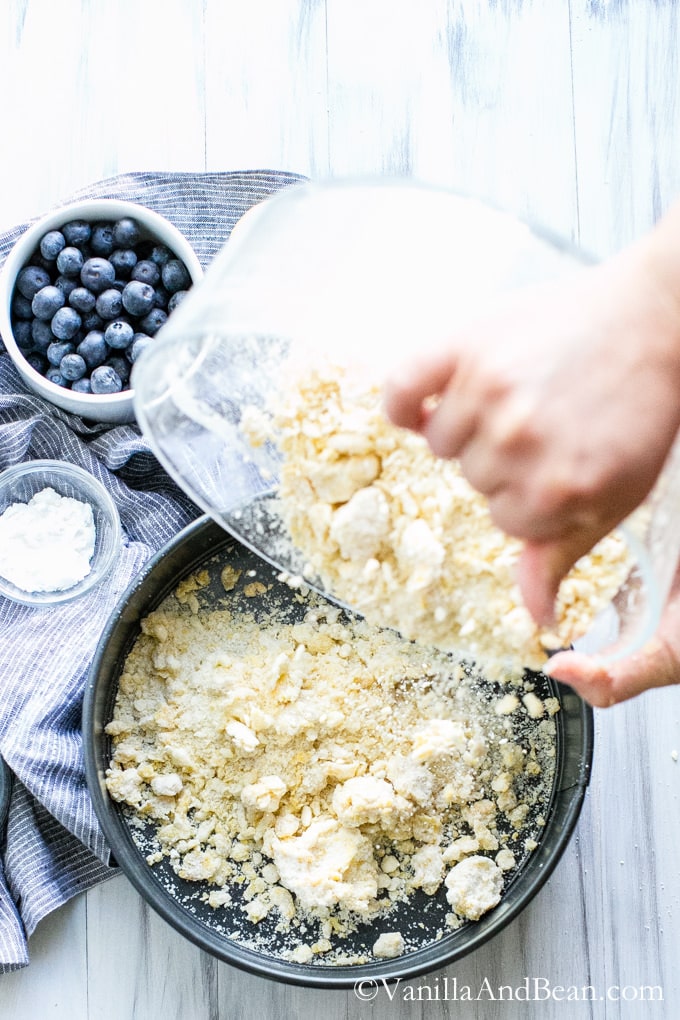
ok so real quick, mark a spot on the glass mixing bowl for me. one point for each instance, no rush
(357, 271)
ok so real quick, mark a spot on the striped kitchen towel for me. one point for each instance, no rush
(52, 846)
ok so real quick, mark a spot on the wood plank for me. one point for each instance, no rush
(626, 59)
(630, 868)
(469, 94)
(266, 101)
(250, 997)
(55, 982)
(138, 966)
(123, 92)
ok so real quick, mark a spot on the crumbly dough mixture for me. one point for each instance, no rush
(323, 768)
(401, 537)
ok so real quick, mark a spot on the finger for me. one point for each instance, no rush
(451, 424)
(540, 569)
(538, 581)
(407, 388)
(588, 676)
(604, 684)
(657, 664)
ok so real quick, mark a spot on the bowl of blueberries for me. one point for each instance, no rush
(83, 292)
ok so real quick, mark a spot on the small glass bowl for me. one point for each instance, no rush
(20, 483)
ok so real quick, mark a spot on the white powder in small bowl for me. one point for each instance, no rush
(46, 544)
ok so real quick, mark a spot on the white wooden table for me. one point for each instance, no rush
(565, 111)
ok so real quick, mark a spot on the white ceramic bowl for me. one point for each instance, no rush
(18, 484)
(110, 407)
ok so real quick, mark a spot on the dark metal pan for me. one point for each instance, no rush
(206, 544)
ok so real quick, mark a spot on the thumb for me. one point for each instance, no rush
(604, 684)
(541, 567)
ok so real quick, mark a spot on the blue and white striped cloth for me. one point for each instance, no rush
(52, 846)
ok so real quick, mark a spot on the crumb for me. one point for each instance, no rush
(533, 705)
(474, 887)
(507, 704)
(302, 954)
(229, 577)
(505, 859)
(389, 944)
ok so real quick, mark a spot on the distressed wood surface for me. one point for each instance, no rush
(567, 112)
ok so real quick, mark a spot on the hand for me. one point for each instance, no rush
(657, 664)
(561, 406)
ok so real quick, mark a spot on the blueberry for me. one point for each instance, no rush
(140, 342)
(105, 380)
(119, 334)
(126, 233)
(31, 279)
(175, 276)
(54, 376)
(82, 299)
(109, 304)
(66, 285)
(146, 271)
(72, 367)
(76, 233)
(93, 349)
(37, 361)
(21, 307)
(65, 323)
(42, 334)
(23, 335)
(97, 274)
(152, 322)
(82, 386)
(51, 244)
(160, 297)
(160, 255)
(121, 367)
(92, 321)
(101, 240)
(123, 261)
(47, 301)
(57, 351)
(176, 299)
(138, 298)
(70, 261)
